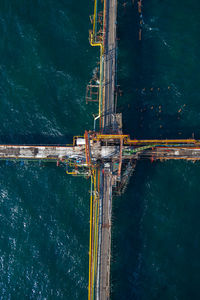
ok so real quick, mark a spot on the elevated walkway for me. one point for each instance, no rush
(39, 152)
(110, 54)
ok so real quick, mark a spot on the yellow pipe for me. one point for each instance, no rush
(93, 263)
(97, 220)
(127, 140)
(183, 141)
(100, 84)
(71, 173)
(94, 237)
(94, 44)
(94, 17)
(110, 136)
(96, 223)
(90, 242)
(176, 158)
(94, 229)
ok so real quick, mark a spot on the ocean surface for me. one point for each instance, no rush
(45, 65)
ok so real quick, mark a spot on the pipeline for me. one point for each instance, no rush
(95, 43)
(94, 232)
(128, 141)
(139, 149)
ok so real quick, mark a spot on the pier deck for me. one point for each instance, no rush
(105, 251)
(103, 154)
(110, 49)
(108, 126)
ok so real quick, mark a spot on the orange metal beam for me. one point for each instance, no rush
(120, 158)
(87, 149)
(127, 140)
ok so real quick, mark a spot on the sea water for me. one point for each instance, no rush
(45, 65)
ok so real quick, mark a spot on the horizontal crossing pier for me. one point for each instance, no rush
(99, 153)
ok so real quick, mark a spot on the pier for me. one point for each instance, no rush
(110, 55)
(104, 154)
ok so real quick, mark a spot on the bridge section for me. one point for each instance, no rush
(54, 152)
(109, 125)
(102, 154)
(110, 50)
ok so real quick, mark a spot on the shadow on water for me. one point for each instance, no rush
(127, 259)
(157, 113)
(155, 100)
(128, 210)
(156, 234)
(163, 125)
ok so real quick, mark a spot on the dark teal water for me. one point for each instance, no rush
(45, 64)
(156, 239)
